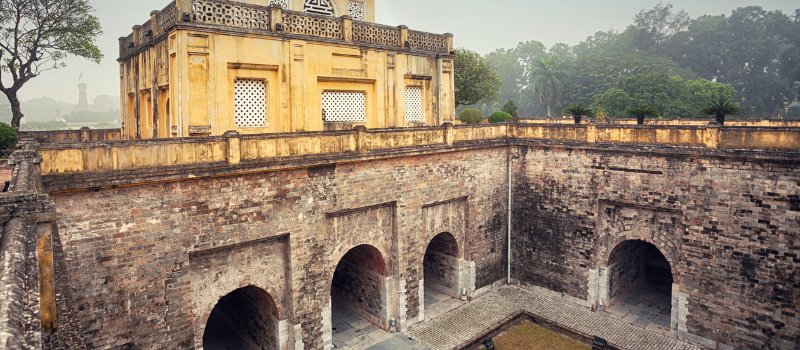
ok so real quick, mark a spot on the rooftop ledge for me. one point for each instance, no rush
(235, 149)
(274, 20)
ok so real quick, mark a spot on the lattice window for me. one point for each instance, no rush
(250, 102)
(356, 10)
(284, 3)
(320, 7)
(414, 103)
(229, 13)
(344, 106)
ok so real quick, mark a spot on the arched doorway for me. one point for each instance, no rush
(359, 294)
(441, 275)
(639, 287)
(246, 318)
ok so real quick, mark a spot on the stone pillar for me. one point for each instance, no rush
(275, 17)
(347, 29)
(361, 139)
(137, 29)
(85, 134)
(47, 289)
(327, 324)
(403, 35)
(298, 337)
(448, 41)
(467, 278)
(711, 137)
(591, 133)
(387, 318)
(184, 6)
(234, 154)
(284, 328)
(154, 24)
(449, 136)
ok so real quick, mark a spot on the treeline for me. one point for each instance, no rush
(665, 60)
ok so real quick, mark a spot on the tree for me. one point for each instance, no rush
(655, 27)
(476, 80)
(721, 108)
(546, 84)
(668, 95)
(8, 139)
(511, 108)
(641, 112)
(37, 36)
(578, 111)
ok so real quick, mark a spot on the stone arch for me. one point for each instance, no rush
(665, 246)
(441, 265)
(360, 285)
(247, 317)
(208, 308)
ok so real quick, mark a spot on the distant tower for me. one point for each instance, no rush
(83, 101)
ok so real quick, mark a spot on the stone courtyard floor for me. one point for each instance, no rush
(452, 329)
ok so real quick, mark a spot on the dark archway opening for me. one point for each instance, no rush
(358, 294)
(246, 318)
(640, 285)
(441, 275)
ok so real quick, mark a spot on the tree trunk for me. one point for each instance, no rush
(549, 111)
(721, 119)
(16, 110)
(577, 119)
(640, 119)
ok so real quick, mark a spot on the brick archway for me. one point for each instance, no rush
(245, 317)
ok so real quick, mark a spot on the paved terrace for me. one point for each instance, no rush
(461, 326)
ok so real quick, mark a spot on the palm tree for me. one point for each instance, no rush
(641, 112)
(577, 111)
(720, 108)
(545, 83)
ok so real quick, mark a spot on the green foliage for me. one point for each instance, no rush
(8, 138)
(511, 108)
(475, 79)
(39, 35)
(470, 116)
(793, 112)
(500, 117)
(578, 111)
(641, 112)
(753, 52)
(721, 108)
(667, 95)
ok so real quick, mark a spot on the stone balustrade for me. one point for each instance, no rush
(274, 20)
(234, 148)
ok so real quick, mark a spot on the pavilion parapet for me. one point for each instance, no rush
(276, 21)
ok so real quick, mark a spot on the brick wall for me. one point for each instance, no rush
(135, 252)
(727, 222)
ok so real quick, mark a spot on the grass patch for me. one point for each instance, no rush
(528, 336)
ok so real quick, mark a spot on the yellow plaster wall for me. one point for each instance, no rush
(197, 70)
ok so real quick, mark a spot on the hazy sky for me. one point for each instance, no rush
(478, 25)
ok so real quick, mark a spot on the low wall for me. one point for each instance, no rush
(676, 122)
(66, 136)
(234, 148)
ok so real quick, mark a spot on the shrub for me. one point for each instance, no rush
(470, 116)
(511, 108)
(500, 117)
(8, 138)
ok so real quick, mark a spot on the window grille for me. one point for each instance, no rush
(414, 103)
(250, 102)
(344, 106)
(356, 10)
(320, 7)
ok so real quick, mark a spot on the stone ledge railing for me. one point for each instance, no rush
(274, 20)
(233, 148)
(69, 136)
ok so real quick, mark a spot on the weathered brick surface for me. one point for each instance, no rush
(727, 224)
(142, 258)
